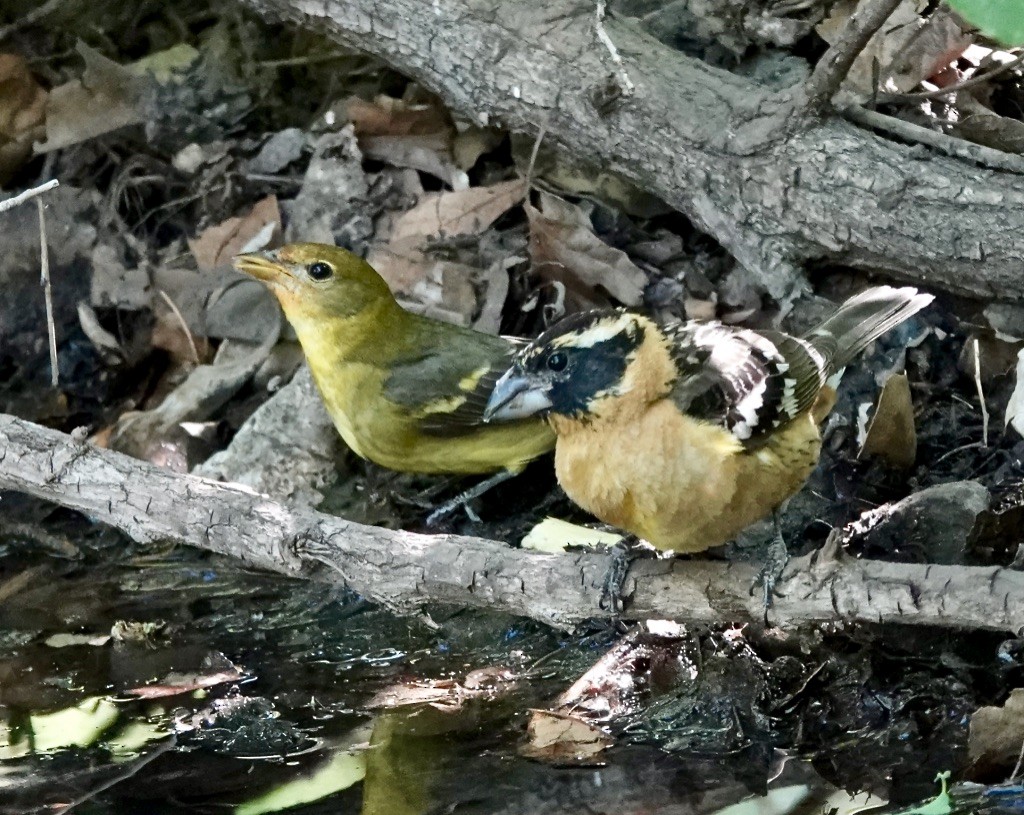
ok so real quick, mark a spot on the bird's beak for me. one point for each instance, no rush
(516, 397)
(265, 266)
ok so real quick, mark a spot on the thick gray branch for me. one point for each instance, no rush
(725, 151)
(405, 570)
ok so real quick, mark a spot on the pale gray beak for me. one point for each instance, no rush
(516, 397)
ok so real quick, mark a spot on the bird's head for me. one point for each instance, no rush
(581, 367)
(315, 280)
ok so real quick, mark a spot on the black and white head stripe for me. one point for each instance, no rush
(582, 358)
(748, 381)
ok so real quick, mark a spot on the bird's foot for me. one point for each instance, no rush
(463, 498)
(623, 553)
(774, 565)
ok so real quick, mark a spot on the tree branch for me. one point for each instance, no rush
(716, 146)
(404, 570)
(833, 67)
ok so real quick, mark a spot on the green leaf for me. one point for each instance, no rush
(999, 19)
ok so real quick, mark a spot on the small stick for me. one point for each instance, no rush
(833, 67)
(132, 769)
(977, 79)
(44, 281)
(21, 198)
(981, 393)
(184, 325)
(533, 154)
(626, 85)
(1016, 767)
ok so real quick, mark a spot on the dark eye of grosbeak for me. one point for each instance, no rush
(557, 361)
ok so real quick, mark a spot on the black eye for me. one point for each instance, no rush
(319, 270)
(557, 361)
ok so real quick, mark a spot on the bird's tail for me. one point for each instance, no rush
(862, 319)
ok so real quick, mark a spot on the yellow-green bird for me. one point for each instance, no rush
(405, 391)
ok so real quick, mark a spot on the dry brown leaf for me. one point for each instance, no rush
(257, 229)
(929, 49)
(564, 248)
(447, 694)
(387, 116)
(463, 212)
(108, 96)
(217, 669)
(402, 134)
(22, 114)
(997, 733)
(439, 288)
(904, 51)
(891, 435)
(561, 738)
(982, 125)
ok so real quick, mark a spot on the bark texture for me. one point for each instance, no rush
(404, 570)
(777, 187)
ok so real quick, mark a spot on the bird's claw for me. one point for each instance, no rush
(774, 565)
(623, 553)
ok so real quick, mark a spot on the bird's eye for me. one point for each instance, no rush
(319, 270)
(557, 361)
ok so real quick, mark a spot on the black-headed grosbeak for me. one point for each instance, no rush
(686, 433)
(405, 391)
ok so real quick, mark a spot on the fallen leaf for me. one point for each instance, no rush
(402, 134)
(22, 114)
(109, 95)
(463, 212)
(904, 51)
(155, 435)
(387, 116)
(940, 41)
(255, 230)
(66, 640)
(982, 125)
(333, 205)
(555, 535)
(561, 738)
(891, 435)
(564, 248)
(216, 670)
(447, 694)
(997, 733)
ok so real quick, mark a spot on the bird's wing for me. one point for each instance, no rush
(446, 386)
(745, 380)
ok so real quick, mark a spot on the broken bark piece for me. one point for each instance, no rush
(936, 525)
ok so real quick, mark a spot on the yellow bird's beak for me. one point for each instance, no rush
(265, 266)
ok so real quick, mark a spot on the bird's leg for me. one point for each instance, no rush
(774, 563)
(463, 498)
(623, 553)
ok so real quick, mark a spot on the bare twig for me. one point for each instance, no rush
(1017, 766)
(833, 67)
(132, 769)
(938, 93)
(44, 281)
(533, 156)
(958, 148)
(626, 85)
(404, 571)
(184, 325)
(21, 198)
(981, 393)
